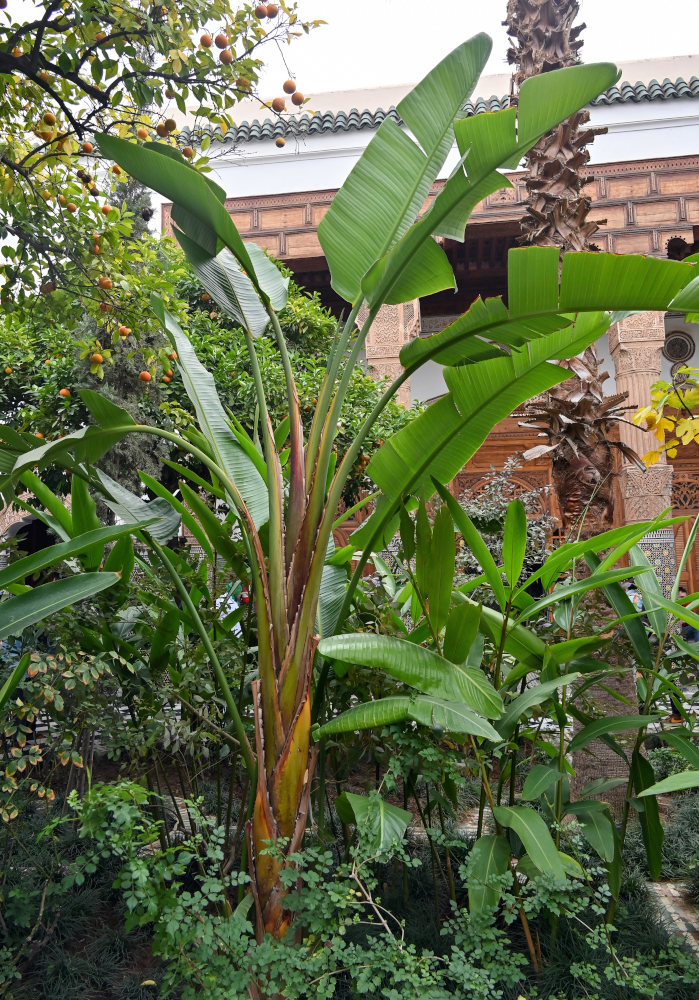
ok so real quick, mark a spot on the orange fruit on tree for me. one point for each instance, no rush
(64, 392)
(172, 355)
(170, 124)
(106, 209)
(272, 10)
(221, 41)
(38, 434)
(226, 57)
(278, 104)
(205, 297)
(166, 378)
(105, 307)
(47, 288)
(49, 118)
(62, 200)
(105, 283)
(142, 132)
(206, 40)
(96, 358)
(169, 93)
(145, 376)
(169, 373)
(124, 331)
(188, 152)
(261, 10)
(297, 98)
(116, 169)
(288, 86)
(8, 370)
(280, 141)
(43, 76)
(161, 130)
(87, 147)
(71, 206)
(17, 52)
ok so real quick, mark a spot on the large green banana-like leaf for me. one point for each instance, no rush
(489, 857)
(333, 586)
(53, 554)
(535, 300)
(418, 667)
(389, 185)
(85, 446)
(535, 836)
(54, 504)
(441, 440)
(213, 423)
(223, 277)
(181, 184)
(83, 511)
(18, 613)
(486, 142)
(444, 716)
(128, 506)
(188, 520)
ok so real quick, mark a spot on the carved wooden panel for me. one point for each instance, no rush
(644, 203)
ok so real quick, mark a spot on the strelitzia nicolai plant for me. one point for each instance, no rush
(380, 250)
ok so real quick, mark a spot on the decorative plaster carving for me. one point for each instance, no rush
(641, 357)
(646, 494)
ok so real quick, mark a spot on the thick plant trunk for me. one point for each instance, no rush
(280, 811)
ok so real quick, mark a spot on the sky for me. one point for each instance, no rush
(374, 43)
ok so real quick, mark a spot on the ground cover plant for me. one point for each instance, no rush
(451, 690)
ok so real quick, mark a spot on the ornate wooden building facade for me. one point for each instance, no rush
(645, 188)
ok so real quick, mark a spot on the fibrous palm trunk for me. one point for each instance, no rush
(545, 39)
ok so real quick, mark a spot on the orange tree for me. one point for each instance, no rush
(48, 355)
(67, 71)
(282, 488)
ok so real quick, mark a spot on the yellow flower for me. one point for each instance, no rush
(652, 458)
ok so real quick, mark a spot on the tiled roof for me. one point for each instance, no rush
(355, 120)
